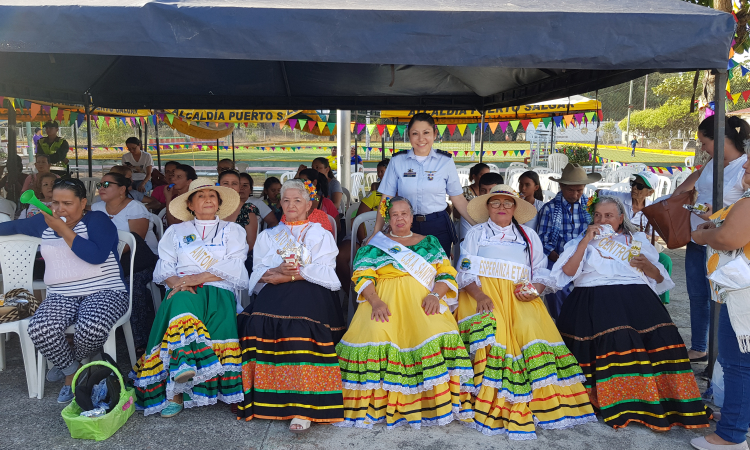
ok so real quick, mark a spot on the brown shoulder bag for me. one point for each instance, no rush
(670, 220)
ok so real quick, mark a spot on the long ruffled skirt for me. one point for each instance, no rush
(636, 365)
(197, 331)
(407, 370)
(524, 375)
(289, 363)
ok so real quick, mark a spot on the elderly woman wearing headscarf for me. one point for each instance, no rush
(193, 354)
(288, 334)
(635, 362)
(525, 376)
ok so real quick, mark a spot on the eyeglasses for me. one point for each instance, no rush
(639, 186)
(507, 204)
(106, 184)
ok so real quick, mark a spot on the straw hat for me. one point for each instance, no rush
(478, 208)
(575, 174)
(230, 200)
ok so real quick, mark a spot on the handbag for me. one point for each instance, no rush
(670, 220)
(22, 310)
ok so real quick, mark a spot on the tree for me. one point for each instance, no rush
(662, 124)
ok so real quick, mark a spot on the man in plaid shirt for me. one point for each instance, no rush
(563, 219)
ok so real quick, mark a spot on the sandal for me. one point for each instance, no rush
(302, 423)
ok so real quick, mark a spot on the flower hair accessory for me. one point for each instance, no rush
(311, 189)
(385, 207)
(591, 204)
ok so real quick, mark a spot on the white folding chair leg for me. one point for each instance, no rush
(29, 358)
(2, 351)
(41, 369)
(155, 295)
(127, 330)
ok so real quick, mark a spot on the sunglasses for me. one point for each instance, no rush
(507, 204)
(639, 186)
(106, 184)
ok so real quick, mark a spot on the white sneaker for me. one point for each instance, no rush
(702, 444)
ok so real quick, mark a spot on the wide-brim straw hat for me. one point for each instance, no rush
(575, 174)
(478, 208)
(230, 200)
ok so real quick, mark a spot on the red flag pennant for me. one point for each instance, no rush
(600, 115)
(505, 152)
(525, 124)
(452, 129)
(745, 96)
(381, 129)
(466, 153)
(311, 124)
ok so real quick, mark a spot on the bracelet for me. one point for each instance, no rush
(435, 294)
(292, 277)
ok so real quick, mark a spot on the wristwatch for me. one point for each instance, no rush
(437, 296)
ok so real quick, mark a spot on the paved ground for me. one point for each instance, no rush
(36, 424)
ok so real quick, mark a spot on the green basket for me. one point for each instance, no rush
(99, 428)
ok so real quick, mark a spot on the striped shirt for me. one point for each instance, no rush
(95, 253)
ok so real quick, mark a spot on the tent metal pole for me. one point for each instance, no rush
(217, 155)
(596, 138)
(30, 142)
(392, 139)
(382, 146)
(343, 141)
(11, 164)
(75, 145)
(87, 108)
(481, 138)
(233, 157)
(158, 147)
(144, 143)
(720, 81)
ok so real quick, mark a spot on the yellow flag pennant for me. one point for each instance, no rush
(391, 129)
(535, 122)
(461, 128)
(322, 125)
(736, 97)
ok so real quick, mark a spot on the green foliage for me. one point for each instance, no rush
(675, 88)
(609, 132)
(662, 123)
(577, 154)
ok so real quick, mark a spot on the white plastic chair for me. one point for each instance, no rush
(689, 161)
(678, 179)
(663, 188)
(242, 166)
(493, 168)
(333, 225)
(547, 184)
(640, 167)
(623, 186)
(512, 175)
(156, 222)
(464, 179)
(548, 195)
(368, 219)
(358, 186)
(557, 162)
(17, 255)
(520, 165)
(370, 178)
(621, 174)
(346, 200)
(90, 183)
(110, 346)
(542, 170)
(348, 216)
(287, 176)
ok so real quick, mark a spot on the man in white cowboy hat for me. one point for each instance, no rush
(562, 219)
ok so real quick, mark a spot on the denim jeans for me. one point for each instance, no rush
(735, 414)
(700, 295)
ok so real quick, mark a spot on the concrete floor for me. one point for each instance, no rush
(36, 424)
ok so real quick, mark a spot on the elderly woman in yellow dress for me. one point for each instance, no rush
(402, 360)
(525, 376)
(193, 353)
(288, 334)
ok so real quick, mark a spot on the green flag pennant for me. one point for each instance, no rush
(170, 118)
(100, 121)
(472, 127)
(441, 129)
(371, 129)
(331, 126)
(73, 116)
(590, 116)
(730, 74)
(302, 123)
(514, 124)
(516, 152)
(546, 121)
(401, 129)
(476, 152)
(53, 113)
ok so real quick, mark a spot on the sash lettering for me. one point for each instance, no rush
(287, 243)
(494, 268)
(619, 252)
(417, 267)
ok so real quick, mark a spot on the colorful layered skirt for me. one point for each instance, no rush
(524, 375)
(289, 364)
(196, 331)
(407, 370)
(636, 365)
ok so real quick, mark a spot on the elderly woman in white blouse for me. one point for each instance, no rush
(525, 377)
(288, 334)
(635, 362)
